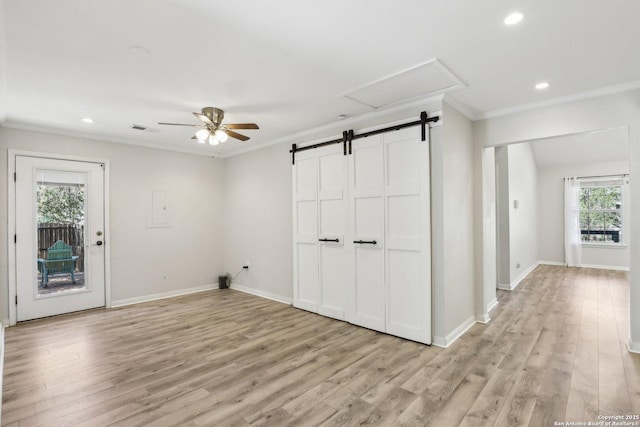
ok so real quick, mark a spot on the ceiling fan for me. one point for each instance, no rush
(212, 129)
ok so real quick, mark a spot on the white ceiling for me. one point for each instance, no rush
(607, 145)
(295, 65)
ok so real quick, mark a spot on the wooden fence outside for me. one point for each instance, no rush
(72, 235)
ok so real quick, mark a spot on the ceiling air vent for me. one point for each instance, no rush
(138, 127)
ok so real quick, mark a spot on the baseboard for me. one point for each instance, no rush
(561, 264)
(634, 347)
(483, 318)
(163, 295)
(263, 294)
(2, 361)
(605, 267)
(511, 286)
(596, 266)
(446, 342)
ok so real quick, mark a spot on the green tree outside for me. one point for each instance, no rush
(600, 210)
(60, 204)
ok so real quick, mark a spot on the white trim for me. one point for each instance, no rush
(604, 246)
(511, 286)
(263, 294)
(11, 228)
(445, 342)
(633, 347)
(104, 138)
(163, 295)
(596, 266)
(319, 132)
(609, 90)
(605, 267)
(1, 362)
(559, 263)
(334, 130)
(461, 108)
(483, 318)
(493, 304)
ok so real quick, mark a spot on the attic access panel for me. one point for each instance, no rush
(426, 79)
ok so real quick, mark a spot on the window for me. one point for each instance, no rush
(601, 218)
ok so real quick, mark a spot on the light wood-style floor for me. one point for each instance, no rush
(555, 350)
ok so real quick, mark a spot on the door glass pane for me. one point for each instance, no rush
(60, 224)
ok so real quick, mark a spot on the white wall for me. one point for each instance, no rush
(523, 221)
(144, 261)
(3, 71)
(453, 225)
(258, 221)
(502, 217)
(604, 112)
(551, 217)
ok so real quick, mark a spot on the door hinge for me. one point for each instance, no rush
(15, 238)
(14, 176)
(16, 299)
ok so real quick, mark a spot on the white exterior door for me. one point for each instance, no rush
(366, 203)
(407, 230)
(46, 287)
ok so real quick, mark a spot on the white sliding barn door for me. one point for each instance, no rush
(366, 197)
(320, 220)
(306, 294)
(407, 243)
(333, 222)
(362, 243)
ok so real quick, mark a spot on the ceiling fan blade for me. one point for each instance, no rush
(204, 118)
(241, 126)
(236, 135)
(177, 124)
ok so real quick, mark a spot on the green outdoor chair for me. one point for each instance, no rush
(60, 260)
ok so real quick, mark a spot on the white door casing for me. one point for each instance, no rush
(30, 304)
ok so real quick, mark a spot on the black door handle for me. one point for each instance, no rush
(99, 243)
(365, 242)
(329, 240)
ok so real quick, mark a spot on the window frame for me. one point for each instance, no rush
(618, 181)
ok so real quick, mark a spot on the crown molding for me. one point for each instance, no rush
(609, 90)
(432, 103)
(100, 138)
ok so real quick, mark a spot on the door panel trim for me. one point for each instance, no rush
(11, 217)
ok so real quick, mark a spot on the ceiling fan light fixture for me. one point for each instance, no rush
(202, 135)
(213, 140)
(221, 135)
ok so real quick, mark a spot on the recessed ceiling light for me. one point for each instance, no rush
(341, 117)
(87, 119)
(514, 18)
(542, 85)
